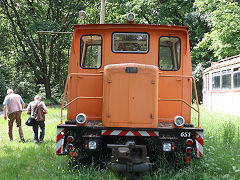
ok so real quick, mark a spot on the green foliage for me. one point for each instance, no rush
(229, 132)
(39, 161)
(146, 11)
(36, 60)
(223, 18)
(3, 85)
(219, 37)
(28, 161)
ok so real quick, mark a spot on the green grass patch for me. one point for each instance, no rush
(30, 161)
(39, 161)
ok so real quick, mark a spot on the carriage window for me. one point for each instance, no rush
(226, 79)
(91, 51)
(236, 78)
(130, 42)
(207, 79)
(206, 82)
(169, 53)
(216, 80)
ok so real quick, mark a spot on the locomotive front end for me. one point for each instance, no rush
(129, 90)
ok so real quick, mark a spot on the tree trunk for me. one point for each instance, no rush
(47, 88)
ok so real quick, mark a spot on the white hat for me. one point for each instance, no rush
(9, 91)
(37, 97)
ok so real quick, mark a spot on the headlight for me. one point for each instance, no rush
(92, 145)
(82, 14)
(167, 147)
(81, 118)
(131, 17)
(179, 121)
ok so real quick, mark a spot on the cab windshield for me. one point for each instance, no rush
(130, 42)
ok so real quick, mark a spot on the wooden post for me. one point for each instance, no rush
(102, 15)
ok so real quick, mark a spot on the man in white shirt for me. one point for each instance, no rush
(13, 106)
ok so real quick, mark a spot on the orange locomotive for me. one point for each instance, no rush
(129, 90)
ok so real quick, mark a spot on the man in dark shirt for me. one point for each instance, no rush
(37, 106)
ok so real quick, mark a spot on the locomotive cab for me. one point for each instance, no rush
(96, 46)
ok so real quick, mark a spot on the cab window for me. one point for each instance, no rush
(123, 42)
(169, 53)
(91, 51)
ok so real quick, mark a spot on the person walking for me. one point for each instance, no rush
(37, 110)
(13, 106)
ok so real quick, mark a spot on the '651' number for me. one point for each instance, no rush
(185, 134)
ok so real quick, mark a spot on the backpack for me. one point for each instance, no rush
(39, 114)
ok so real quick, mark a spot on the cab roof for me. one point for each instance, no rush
(132, 26)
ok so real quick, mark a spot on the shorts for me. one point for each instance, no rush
(17, 116)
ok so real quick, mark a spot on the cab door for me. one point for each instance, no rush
(170, 83)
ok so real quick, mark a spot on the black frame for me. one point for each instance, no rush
(133, 52)
(218, 75)
(236, 84)
(81, 51)
(224, 75)
(180, 60)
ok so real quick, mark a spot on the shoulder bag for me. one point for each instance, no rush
(31, 121)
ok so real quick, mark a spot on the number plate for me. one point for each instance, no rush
(185, 134)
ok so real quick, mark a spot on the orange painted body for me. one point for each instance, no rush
(121, 99)
(130, 99)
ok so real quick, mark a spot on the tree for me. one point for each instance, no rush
(223, 18)
(39, 61)
(221, 39)
(36, 54)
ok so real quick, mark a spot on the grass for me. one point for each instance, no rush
(29, 161)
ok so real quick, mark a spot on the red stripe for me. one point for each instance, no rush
(123, 133)
(151, 133)
(107, 132)
(136, 133)
(60, 135)
(199, 153)
(199, 139)
(59, 150)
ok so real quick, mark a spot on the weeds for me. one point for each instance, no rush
(29, 161)
(229, 132)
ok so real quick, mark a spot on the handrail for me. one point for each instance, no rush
(89, 74)
(189, 105)
(195, 91)
(80, 97)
